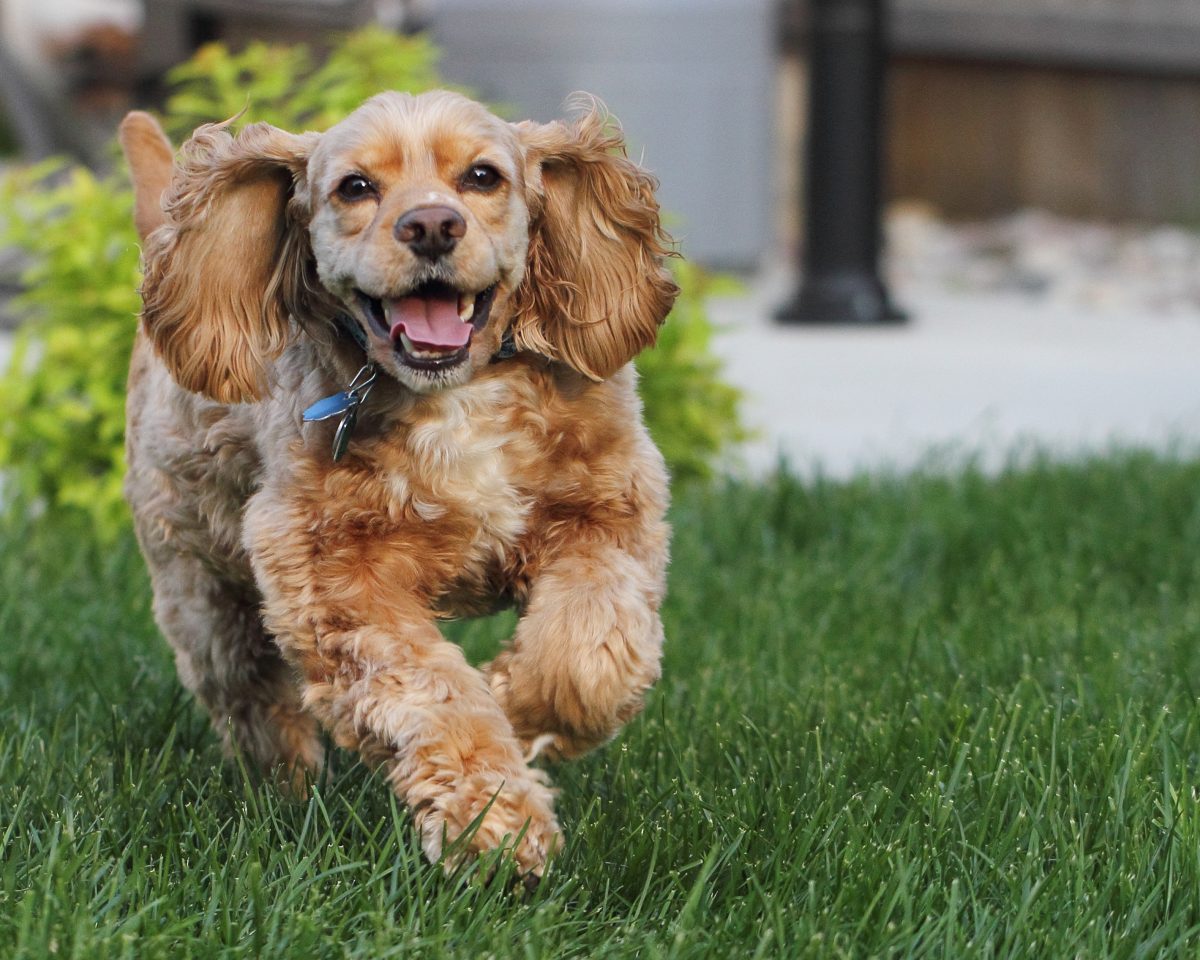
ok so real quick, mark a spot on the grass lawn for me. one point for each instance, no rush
(917, 717)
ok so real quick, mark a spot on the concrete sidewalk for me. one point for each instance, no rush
(970, 374)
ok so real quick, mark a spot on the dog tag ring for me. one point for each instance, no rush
(346, 403)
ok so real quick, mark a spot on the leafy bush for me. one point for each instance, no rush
(692, 413)
(61, 439)
(287, 87)
(63, 395)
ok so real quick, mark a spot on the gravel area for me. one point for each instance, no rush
(1118, 269)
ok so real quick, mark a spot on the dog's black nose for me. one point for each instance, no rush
(431, 232)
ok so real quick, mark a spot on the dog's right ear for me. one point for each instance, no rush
(229, 255)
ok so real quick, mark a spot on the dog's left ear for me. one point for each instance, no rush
(595, 290)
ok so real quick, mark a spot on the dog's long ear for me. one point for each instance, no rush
(231, 259)
(595, 291)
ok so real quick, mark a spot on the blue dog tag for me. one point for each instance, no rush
(330, 406)
(345, 403)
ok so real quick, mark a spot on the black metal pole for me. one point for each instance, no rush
(840, 281)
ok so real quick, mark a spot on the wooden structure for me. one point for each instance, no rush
(1134, 36)
(1089, 108)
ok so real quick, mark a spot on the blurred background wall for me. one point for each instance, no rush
(690, 80)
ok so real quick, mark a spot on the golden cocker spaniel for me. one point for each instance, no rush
(383, 379)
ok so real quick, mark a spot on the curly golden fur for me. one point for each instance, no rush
(301, 593)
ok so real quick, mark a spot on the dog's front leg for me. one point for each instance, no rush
(587, 646)
(346, 610)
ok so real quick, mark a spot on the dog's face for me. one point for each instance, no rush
(420, 227)
(434, 225)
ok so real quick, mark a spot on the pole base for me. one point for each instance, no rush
(852, 300)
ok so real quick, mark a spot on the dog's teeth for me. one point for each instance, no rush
(411, 349)
(466, 307)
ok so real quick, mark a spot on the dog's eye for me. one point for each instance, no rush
(355, 187)
(482, 176)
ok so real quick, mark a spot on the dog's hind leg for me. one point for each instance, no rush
(226, 658)
(191, 464)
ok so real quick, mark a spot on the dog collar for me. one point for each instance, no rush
(346, 402)
(508, 347)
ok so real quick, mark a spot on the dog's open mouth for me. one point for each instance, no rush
(430, 327)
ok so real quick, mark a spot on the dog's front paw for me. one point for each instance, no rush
(517, 814)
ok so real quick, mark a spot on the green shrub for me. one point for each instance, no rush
(63, 395)
(286, 86)
(61, 437)
(692, 413)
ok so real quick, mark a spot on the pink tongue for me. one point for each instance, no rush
(430, 322)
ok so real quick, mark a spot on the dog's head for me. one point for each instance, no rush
(433, 225)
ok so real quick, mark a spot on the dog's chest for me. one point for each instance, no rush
(458, 472)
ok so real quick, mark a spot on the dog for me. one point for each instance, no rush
(454, 300)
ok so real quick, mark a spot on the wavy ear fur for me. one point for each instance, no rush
(595, 291)
(231, 260)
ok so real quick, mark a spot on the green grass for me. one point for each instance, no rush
(922, 717)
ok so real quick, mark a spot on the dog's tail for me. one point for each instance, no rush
(151, 160)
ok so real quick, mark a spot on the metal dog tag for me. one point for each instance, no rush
(341, 436)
